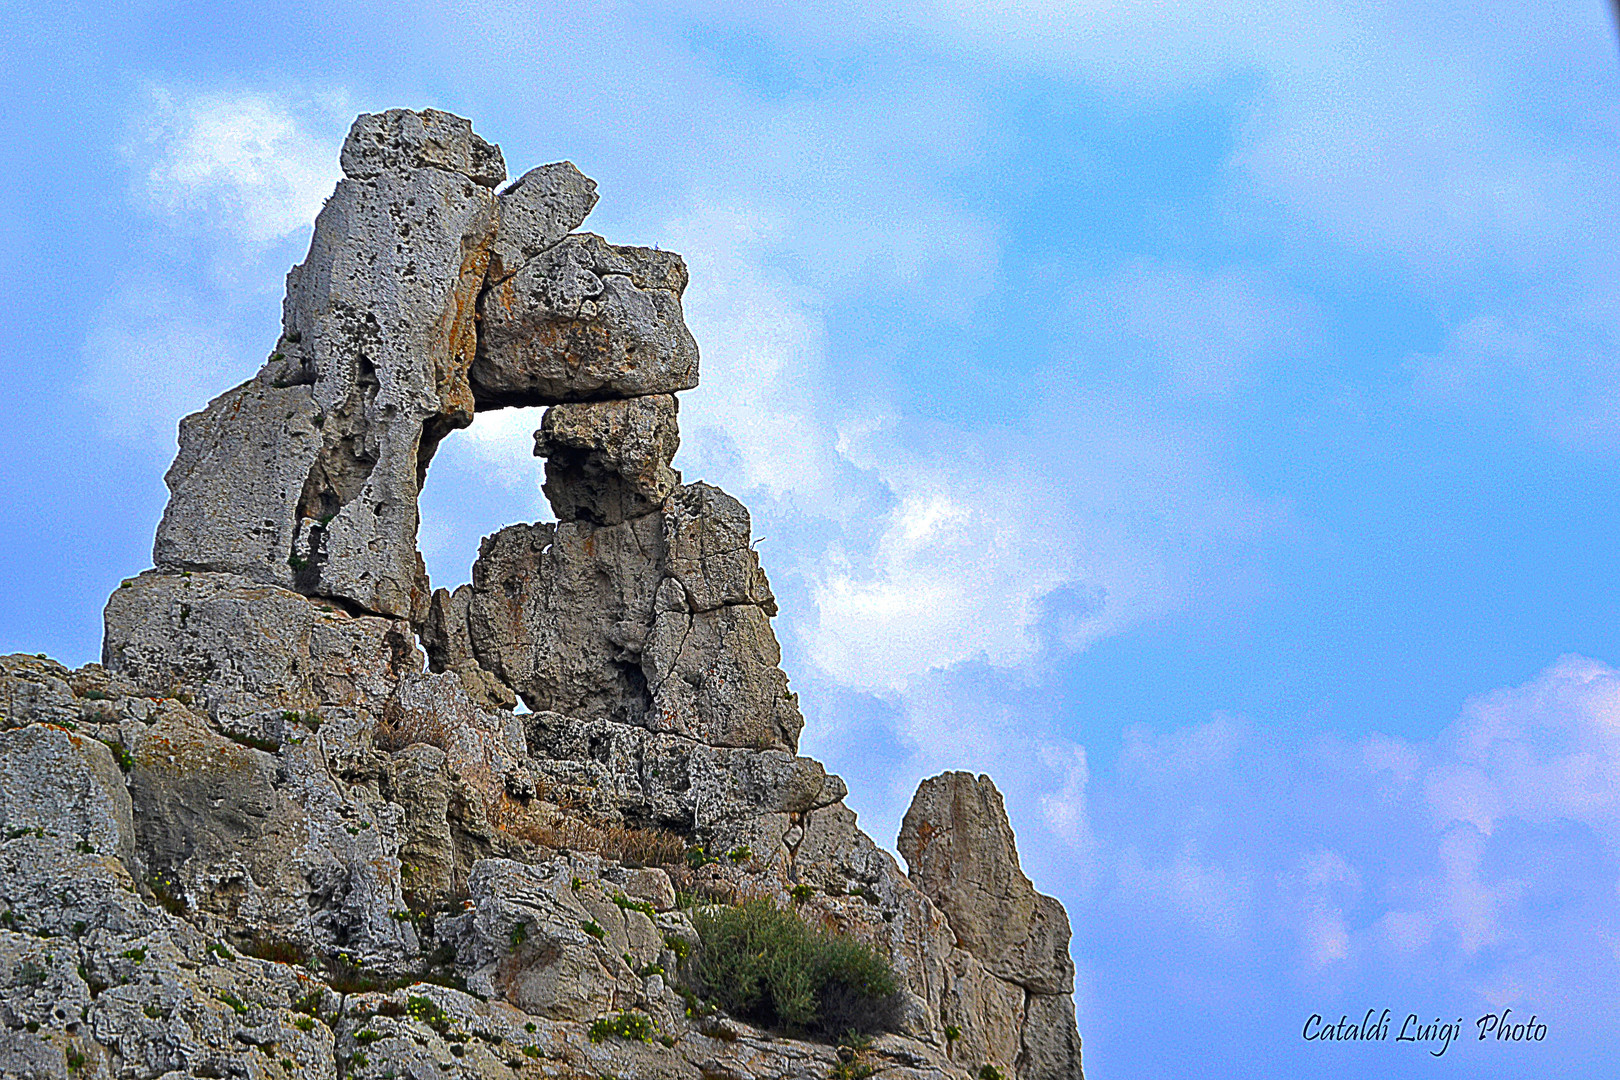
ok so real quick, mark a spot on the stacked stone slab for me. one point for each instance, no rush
(267, 761)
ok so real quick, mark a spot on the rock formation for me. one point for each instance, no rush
(293, 822)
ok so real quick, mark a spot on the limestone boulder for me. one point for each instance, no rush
(608, 461)
(957, 841)
(402, 141)
(308, 475)
(65, 784)
(236, 647)
(585, 321)
(544, 205)
(715, 676)
(560, 613)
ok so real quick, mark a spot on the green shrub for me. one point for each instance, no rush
(626, 1025)
(769, 966)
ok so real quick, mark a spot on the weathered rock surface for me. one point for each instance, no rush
(261, 840)
(585, 321)
(959, 845)
(608, 461)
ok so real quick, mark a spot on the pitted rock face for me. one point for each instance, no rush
(585, 321)
(607, 461)
(308, 475)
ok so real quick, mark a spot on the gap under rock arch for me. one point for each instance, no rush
(482, 478)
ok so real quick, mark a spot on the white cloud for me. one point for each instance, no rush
(246, 163)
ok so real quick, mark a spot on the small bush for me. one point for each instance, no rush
(593, 928)
(120, 754)
(626, 1025)
(768, 965)
(627, 904)
(396, 730)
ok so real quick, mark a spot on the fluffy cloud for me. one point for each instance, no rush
(248, 163)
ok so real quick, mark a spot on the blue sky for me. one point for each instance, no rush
(1204, 418)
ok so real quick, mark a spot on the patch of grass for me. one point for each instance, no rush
(769, 966)
(678, 945)
(163, 891)
(697, 857)
(219, 949)
(75, 1060)
(424, 1011)
(238, 1006)
(395, 730)
(519, 935)
(740, 854)
(801, 893)
(153, 1012)
(85, 847)
(593, 928)
(304, 1023)
(952, 1033)
(627, 844)
(276, 950)
(367, 1037)
(627, 904)
(126, 762)
(635, 1026)
(97, 695)
(988, 1071)
(137, 954)
(30, 974)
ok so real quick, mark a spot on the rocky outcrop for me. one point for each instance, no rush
(268, 834)
(959, 845)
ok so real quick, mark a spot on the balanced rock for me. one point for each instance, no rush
(607, 461)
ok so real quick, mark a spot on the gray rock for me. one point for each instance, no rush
(308, 475)
(536, 212)
(549, 938)
(1051, 1043)
(68, 785)
(715, 676)
(400, 141)
(560, 613)
(585, 321)
(236, 648)
(449, 648)
(608, 461)
(710, 552)
(959, 845)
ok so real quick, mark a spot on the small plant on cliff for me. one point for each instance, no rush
(768, 965)
(626, 1025)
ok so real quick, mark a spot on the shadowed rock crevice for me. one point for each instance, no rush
(268, 836)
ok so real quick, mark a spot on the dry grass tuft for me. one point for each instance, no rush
(624, 843)
(395, 731)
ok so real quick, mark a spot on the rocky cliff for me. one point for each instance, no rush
(294, 823)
